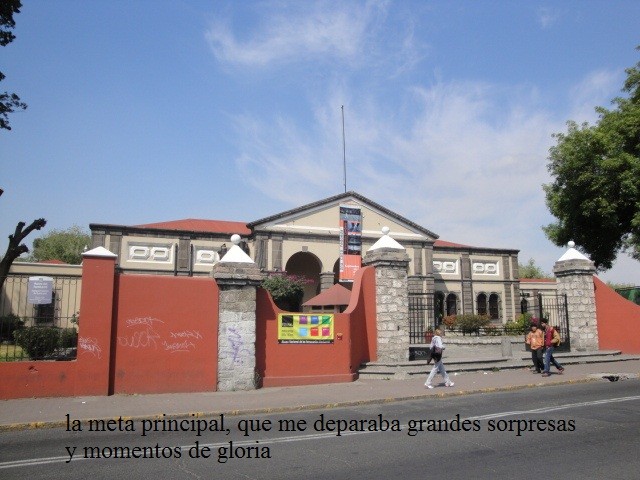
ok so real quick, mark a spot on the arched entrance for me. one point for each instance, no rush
(306, 265)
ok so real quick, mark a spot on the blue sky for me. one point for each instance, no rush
(146, 111)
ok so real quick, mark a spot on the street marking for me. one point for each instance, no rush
(319, 436)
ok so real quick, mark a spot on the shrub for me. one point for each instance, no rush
(9, 324)
(491, 329)
(472, 323)
(68, 338)
(449, 322)
(38, 342)
(520, 325)
(286, 290)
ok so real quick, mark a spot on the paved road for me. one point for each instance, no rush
(583, 430)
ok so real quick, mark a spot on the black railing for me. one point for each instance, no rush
(39, 331)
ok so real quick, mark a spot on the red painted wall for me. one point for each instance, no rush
(166, 337)
(159, 334)
(37, 379)
(308, 364)
(618, 320)
(363, 323)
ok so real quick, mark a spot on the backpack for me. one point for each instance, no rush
(556, 340)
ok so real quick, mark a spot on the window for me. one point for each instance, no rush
(46, 312)
(481, 307)
(452, 304)
(439, 307)
(494, 307)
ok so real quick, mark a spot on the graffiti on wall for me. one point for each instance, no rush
(235, 347)
(150, 333)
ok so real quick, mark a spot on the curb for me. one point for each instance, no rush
(300, 408)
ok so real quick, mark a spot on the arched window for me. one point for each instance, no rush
(524, 306)
(439, 307)
(481, 307)
(452, 304)
(494, 306)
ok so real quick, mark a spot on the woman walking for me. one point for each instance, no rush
(437, 347)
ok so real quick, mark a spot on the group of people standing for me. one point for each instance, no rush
(542, 340)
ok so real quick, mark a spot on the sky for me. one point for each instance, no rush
(144, 111)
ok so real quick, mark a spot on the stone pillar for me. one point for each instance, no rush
(574, 273)
(326, 280)
(237, 277)
(391, 263)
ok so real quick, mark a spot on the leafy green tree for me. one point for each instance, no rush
(64, 245)
(9, 102)
(596, 192)
(531, 270)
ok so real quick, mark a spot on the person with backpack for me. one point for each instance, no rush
(437, 347)
(551, 340)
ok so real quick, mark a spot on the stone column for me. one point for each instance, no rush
(237, 277)
(392, 303)
(574, 273)
(326, 280)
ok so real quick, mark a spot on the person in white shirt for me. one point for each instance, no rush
(437, 347)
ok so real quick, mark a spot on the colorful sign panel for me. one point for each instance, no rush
(302, 328)
(350, 242)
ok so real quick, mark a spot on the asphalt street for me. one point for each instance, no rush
(581, 430)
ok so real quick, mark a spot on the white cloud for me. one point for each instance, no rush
(547, 17)
(595, 90)
(306, 32)
(463, 163)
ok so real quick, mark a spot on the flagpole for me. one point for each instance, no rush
(344, 153)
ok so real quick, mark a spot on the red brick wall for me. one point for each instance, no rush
(618, 320)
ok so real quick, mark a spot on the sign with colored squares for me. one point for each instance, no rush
(304, 328)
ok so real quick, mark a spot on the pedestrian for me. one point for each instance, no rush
(437, 348)
(551, 340)
(535, 340)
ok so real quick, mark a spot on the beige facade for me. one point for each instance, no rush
(306, 241)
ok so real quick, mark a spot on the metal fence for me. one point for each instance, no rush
(39, 331)
(554, 308)
(421, 316)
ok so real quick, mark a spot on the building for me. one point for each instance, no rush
(324, 241)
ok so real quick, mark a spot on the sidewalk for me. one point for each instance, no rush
(51, 412)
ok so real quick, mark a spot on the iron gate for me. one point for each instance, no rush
(421, 315)
(554, 309)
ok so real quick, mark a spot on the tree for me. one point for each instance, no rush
(16, 248)
(531, 270)
(9, 102)
(596, 192)
(64, 245)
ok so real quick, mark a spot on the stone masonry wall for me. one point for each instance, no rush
(575, 278)
(392, 303)
(237, 338)
(393, 314)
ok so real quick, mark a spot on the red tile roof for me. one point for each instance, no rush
(196, 225)
(444, 243)
(336, 295)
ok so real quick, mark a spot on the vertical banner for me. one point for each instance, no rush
(350, 242)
